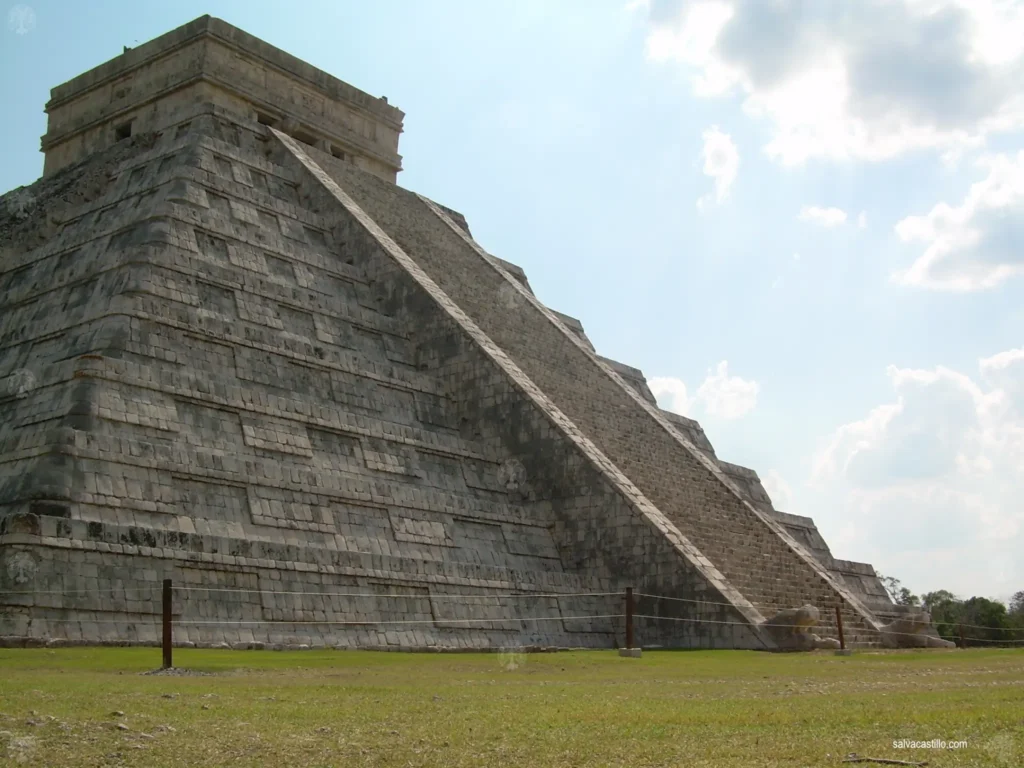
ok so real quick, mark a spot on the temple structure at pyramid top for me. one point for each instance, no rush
(234, 353)
(210, 61)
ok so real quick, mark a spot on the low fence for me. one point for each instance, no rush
(623, 622)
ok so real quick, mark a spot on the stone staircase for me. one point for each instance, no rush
(243, 359)
(231, 398)
(754, 554)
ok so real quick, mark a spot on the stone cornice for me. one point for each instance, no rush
(238, 40)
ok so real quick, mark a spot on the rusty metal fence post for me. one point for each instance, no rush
(629, 617)
(168, 662)
(630, 650)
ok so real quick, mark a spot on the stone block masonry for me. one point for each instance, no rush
(211, 431)
(238, 410)
(604, 524)
(234, 357)
(753, 553)
(206, 60)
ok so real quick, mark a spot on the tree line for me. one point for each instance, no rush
(979, 621)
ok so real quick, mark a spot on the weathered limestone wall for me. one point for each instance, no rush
(632, 376)
(252, 421)
(223, 392)
(603, 529)
(860, 578)
(209, 61)
(245, 360)
(753, 553)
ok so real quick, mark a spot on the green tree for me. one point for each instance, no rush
(1017, 604)
(991, 614)
(897, 592)
(1016, 617)
(946, 610)
(985, 622)
(907, 597)
(892, 586)
(941, 597)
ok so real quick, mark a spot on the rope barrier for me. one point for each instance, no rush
(140, 590)
(978, 626)
(451, 596)
(433, 595)
(405, 621)
(790, 626)
(245, 622)
(154, 621)
(731, 605)
(682, 599)
(979, 639)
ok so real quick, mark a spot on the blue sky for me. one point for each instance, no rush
(804, 227)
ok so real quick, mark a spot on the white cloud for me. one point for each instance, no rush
(720, 395)
(862, 220)
(826, 217)
(977, 244)
(930, 483)
(1004, 371)
(778, 490)
(671, 394)
(870, 79)
(725, 396)
(1001, 361)
(721, 163)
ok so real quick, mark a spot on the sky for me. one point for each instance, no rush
(804, 221)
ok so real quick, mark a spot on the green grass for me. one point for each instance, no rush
(345, 708)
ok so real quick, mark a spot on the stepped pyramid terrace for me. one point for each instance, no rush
(236, 353)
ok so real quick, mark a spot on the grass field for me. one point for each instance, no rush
(92, 706)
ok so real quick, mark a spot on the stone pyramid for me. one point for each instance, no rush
(235, 353)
